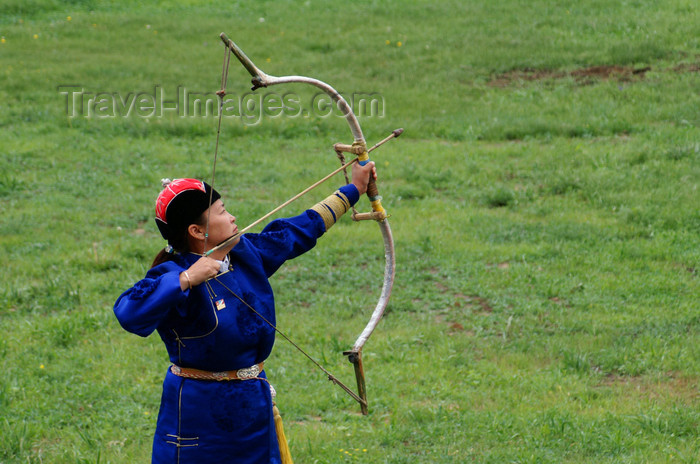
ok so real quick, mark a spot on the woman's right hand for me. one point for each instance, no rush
(204, 269)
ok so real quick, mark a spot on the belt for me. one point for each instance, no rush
(240, 374)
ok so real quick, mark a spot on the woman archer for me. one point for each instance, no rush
(215, 315)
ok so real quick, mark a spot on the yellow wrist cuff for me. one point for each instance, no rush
(332, 208)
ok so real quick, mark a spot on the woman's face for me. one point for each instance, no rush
(222, 225)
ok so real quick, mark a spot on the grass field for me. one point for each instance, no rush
(544, 200)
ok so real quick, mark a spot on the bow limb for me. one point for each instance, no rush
(260, 79)
(359, 147)
(355, 354)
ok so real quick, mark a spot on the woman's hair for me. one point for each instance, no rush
(178, 243)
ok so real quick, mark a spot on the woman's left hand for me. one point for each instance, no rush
(361, 176)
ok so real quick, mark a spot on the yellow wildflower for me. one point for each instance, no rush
(388, 42)
(2, 40)
(41, 366)
(68, 18)
(36, 36)
(398, 44)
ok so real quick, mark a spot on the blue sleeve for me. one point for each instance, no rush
(142, 308)
(285, 239)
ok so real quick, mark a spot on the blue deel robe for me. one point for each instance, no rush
(203, 421)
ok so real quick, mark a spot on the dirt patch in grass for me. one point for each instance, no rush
(582, 76)
(460, 310)
(671, 385)
(453, 327)
(687, 68)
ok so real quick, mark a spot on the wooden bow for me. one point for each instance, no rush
(358, 148)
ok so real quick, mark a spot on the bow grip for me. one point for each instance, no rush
(372, 190)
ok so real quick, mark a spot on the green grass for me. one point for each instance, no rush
(547, 229)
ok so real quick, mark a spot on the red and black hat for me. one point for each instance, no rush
(181, 203)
